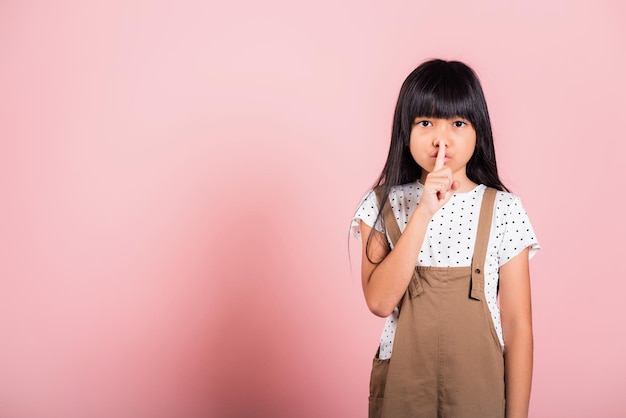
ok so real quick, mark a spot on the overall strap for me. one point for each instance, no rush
(393, 230)
(482, 241)
(388, 218)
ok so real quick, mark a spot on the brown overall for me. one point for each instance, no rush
(447, 361)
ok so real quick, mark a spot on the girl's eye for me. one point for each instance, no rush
(459, 124)
(424, 123)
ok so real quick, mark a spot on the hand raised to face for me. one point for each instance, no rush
(440, 184)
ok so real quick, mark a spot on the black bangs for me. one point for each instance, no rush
(443, 90)
(444, 102)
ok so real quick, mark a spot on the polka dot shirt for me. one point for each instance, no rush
(450, 238)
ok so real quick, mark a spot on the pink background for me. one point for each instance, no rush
(177, 180)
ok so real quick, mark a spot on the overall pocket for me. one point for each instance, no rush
(378, 379)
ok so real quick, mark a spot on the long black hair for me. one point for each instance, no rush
(439, 89)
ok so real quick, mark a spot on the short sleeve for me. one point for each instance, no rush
(366, 212)
(517, 233)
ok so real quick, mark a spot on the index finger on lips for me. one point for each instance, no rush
(441, 156)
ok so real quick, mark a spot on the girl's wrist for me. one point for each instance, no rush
(421, 213)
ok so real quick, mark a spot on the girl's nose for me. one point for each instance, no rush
(441, 134)
(438, 139)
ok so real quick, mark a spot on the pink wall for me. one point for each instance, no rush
(177, 183)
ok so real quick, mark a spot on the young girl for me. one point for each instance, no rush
(446, 260)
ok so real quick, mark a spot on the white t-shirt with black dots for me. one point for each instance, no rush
(450, 238)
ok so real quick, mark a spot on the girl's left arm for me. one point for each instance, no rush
(516, 316)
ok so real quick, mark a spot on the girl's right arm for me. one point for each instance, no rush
(384, 282)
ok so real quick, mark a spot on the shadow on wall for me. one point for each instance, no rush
(255, 345)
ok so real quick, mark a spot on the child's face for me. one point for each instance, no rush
(457, 134)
